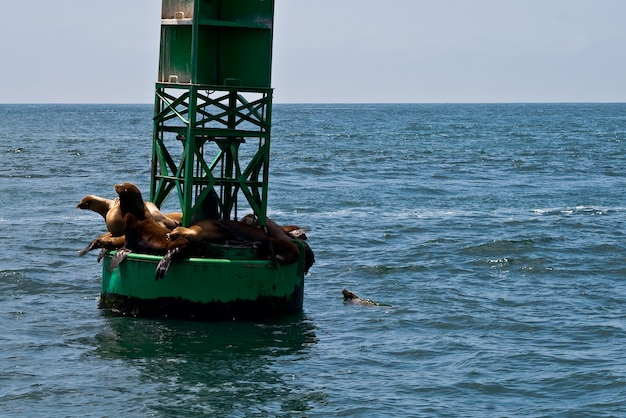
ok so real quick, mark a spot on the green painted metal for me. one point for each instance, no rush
(203, 288)
(217, 42)
(200, 279)
(213, 97)
(222, 137)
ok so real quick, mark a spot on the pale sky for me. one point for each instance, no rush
(329, 51)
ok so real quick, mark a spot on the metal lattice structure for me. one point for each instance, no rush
(213, 102)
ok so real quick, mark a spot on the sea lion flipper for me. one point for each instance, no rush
(172, 254)
(119, 256)
(163, 266)
(101, 255)
(93, 244)
(105, 241)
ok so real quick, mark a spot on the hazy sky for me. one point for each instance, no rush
(420, 51)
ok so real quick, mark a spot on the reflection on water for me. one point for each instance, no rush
(218, 368)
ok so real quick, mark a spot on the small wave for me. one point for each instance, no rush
(512, 246)
(384, 269)
(577, 210)
(499, 246)
(526, 264)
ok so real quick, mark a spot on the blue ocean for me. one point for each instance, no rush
(491, 235)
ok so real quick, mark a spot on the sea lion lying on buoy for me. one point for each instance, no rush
(221, 232)
(209, 207)
(141, 232)
(352, 297)
(285, 233)
(295, 231)
(109, 209)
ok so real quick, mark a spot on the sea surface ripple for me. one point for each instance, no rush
(492, 235)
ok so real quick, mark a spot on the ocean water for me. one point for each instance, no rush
(495, 233)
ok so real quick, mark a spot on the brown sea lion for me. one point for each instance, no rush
(221, 231)
(111, 240)
(215, 231)
(109, 209)
(209, 206)
(285, 233)
(168, 220)
(352, 297)
(177, 217)
(98, 204)
(295, 231)
(141, 232)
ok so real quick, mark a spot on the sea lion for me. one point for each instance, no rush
(168, 220)
(352, 297)
(209, 207)
(223, 231)
(285, 233)
(295, 231)
(109, 209)
(177, 217)
(215, 231)
(111, 240)
(141, 232)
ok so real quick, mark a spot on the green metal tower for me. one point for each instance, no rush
(213, 102)
(211, 144)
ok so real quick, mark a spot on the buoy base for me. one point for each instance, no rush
(202, 288)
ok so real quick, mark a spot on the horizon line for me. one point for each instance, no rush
(337, 103)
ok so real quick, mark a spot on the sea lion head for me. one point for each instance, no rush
(94, 202)
(85, 201)
(127, 187)
(130, 199)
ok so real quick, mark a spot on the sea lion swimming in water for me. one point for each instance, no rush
(110, 210)
(352, 297)
(221, 232)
